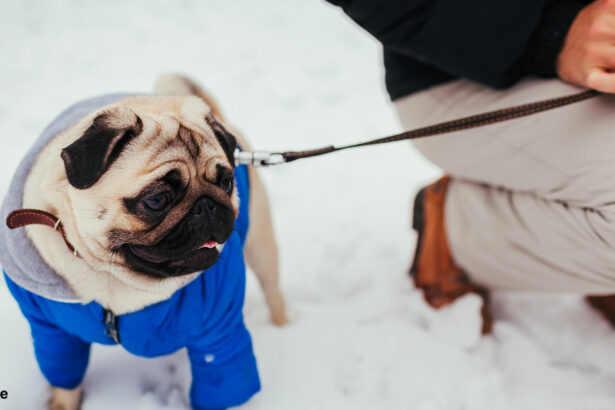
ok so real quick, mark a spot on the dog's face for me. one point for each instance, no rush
(152, 186)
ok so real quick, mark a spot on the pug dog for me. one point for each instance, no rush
(136, 222)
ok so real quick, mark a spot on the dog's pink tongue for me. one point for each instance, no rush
(209, 244)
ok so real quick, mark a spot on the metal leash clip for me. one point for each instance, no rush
(258, 158)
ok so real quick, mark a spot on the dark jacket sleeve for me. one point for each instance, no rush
(547, 39)
(489, 41)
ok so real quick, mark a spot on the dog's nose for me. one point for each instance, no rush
(204, 204)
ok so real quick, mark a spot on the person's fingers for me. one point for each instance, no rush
(603, 55)
(587, 57)
(601, 80)
(602, 28)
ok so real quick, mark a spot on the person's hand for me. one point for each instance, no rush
(588, 55)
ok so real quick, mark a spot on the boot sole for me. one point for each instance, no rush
(418, 222)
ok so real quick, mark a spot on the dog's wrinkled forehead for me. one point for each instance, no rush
(159, 127)
(191, 123)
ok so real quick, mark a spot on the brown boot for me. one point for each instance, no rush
(433, 269)
(604, 305)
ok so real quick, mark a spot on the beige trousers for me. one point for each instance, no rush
(532, 203)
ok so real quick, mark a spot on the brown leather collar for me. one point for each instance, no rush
(23, 217)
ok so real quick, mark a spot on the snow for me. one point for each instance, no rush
(295, 74)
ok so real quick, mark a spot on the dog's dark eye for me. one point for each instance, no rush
(226, 183)
(159, 201)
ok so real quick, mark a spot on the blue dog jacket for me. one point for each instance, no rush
(205, 316)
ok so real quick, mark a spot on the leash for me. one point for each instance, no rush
(269, 158)
(22, 217)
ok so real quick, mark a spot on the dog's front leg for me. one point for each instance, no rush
(230, 383)
(64, 399)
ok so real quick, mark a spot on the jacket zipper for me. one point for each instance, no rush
(111, 325)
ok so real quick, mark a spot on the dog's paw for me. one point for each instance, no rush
(279, 318)
(277, 307)
(63, 399)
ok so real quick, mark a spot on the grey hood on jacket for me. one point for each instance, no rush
(19, 258)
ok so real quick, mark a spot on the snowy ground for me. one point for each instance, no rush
(294, 74)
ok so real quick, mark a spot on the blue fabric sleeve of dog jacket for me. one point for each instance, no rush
(204, 316)
(231, 383)
(62, 357)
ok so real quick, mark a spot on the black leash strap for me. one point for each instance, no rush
(264, 158)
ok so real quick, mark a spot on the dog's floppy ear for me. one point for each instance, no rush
(87, 159)
(227, 141)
